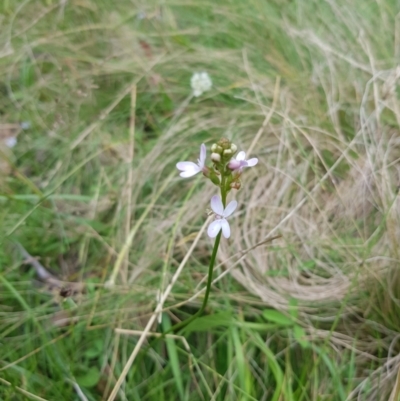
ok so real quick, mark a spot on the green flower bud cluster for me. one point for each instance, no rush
(225, 171)
(222, 176)
(222, 152)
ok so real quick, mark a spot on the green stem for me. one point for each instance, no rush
(210, 271)
(183, 324)
(223, 191)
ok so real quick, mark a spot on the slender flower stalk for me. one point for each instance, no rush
(225, 179)
(182, 325)
(225, 172)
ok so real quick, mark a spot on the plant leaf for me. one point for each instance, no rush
(277, 317)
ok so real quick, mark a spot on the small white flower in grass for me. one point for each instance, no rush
(200, 82)
(221, 214)
(25, 125)
(188, 169)
(11, 141)
(240, 162)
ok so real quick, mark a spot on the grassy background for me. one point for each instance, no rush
(310, 87)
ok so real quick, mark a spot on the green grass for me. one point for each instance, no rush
(312, 316)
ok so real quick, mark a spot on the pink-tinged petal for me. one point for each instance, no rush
(234, 164)
(241, 155)
(252, 162)
(226, 230)
(216, 205)
(187, 166)
(214, 228)
(189, 173)
(203, 154)
(232, 205)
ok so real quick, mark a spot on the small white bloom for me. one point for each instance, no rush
(221, 214)
(240, 162)
(188, 169)
(200, 82)
(11, 141)
(25, 125)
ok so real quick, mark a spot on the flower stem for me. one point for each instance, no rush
(223, 191)
(183, 324)
(210, 272)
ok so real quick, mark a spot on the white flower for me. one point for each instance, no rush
(220, 214)
(200, 82)
(189, 168)
(25, 125)
(11, 141)
(240, 163)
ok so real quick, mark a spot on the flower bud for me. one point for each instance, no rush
(215, 157)
(206, 171)
(214, 179)
(214, 147)
(224, 143)
(233, 148)
(227, 152)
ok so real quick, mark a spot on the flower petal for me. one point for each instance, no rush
(203, 153)
(214, 228)
(187, 174)
(216, 205)
(187, 166)
(232, 205)
(252, 162)
(234, 164)
(241, 155)
(226, 230)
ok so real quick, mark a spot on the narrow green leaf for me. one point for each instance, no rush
(299, 334)
(173, 358)
(335, 377)
(205, 323)
(273, 365)
(240, 359)
(277, 317)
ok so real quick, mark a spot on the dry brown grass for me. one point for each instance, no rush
(323, 121)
